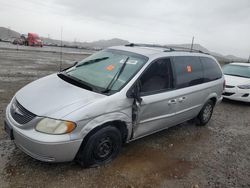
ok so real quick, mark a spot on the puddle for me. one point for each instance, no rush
(149, 166)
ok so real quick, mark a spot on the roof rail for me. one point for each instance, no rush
(180, 48)
(150, 46)
(167, 48)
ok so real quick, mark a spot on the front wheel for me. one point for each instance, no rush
(205, 113)
(101, 147)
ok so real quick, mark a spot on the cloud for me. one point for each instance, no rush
(221, 26)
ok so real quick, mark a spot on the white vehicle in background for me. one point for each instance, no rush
(237, 76)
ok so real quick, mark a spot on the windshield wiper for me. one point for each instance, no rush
(116, 76)
(92, 61)
(76, 82)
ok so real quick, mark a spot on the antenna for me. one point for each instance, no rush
(61, 50)
(192, 45)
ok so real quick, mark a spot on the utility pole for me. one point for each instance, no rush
(8, 32)
(248, 59)
(61, 50)
(192, 45)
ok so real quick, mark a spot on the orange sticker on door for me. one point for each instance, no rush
(110, 67)
(189, 68)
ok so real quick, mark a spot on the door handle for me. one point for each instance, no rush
(181, 99)
(172, 101)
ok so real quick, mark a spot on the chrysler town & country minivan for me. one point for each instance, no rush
(86, 112)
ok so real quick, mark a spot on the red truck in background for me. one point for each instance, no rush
(32, 39)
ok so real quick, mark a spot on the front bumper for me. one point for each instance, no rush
(237, 94)
(43, 147)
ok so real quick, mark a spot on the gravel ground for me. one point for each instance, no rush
(217, 155)
(9, 46)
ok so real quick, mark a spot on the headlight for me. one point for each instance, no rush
(53, 126)
(244, 86)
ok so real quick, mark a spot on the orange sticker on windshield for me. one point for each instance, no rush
(189, 68)
(110, 67)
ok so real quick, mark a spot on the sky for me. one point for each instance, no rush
(222, 26)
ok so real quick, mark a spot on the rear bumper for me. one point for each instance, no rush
(48, 148)
(219, 100)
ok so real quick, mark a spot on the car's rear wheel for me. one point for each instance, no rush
(100, 148)
(205, 113)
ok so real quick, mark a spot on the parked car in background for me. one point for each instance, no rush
(237, 76)
(18, 41)
(112, 97)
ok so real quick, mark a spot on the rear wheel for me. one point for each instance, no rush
(205, 113)
(101, 147)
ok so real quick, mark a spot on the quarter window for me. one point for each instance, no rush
(188, 71)
(212, 70)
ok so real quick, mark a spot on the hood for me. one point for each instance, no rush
(53, 97)
(236, 80)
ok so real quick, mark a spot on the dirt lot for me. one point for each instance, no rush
(217, 155)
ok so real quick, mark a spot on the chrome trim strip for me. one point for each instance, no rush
(168, 115)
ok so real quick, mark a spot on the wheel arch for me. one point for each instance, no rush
(120, 125)
(119, 120)
(213, 97)
(214, 100)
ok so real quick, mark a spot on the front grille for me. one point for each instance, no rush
(227, 93)
(228, 86)
(20, 114)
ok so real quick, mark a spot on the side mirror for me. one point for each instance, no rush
(134, 92)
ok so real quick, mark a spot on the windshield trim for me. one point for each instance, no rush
(236, 75)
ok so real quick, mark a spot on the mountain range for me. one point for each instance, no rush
(7, 34)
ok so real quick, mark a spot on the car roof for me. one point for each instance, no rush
(146, 51)
(241, 64)
(153, 51)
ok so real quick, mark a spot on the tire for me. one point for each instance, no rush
(100, 148)
(205, 113)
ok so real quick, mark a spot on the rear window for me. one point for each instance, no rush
(188, 71)
(212, 70)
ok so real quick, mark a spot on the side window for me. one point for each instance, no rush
(188, 70)
(158, 77)
(211, 69)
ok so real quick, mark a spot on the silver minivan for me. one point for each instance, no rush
(86, 112)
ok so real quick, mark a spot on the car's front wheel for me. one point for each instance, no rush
(205, 113)
(100, 148)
